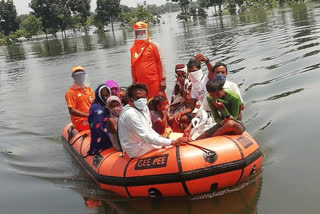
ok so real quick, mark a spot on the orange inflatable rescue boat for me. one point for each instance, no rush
(202, 166)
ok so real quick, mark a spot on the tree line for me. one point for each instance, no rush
(196, 9)
(52, 16)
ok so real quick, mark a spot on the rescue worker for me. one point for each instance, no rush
(79, 98)
(147, 62)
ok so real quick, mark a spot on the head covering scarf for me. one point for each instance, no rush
(111, 99)
(139, 45)
(113, 84)
(114, 112)
(181, 67)
(98, 98)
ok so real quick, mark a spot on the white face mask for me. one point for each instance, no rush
(196, 76)
(140, 103)
(79, 79)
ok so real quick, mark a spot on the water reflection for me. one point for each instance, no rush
(47, 48)
(239, 201)
(104, 40)
(255, 16)
(300, 15)
(279, 96)
(87, 42)
(16, 75)
(70, 46)
(15, 53)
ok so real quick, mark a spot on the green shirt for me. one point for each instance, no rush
(232, 103)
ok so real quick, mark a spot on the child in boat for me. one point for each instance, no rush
(225, 107)
(159, 115)
(114, 105)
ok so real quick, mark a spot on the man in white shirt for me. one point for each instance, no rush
(135, 127)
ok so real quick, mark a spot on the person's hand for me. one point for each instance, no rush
(178, 116)
(200, 58)
(180, 80)
(187, 131)
(163, 85)
(226, 119)
(170, 118)
(165, 109)
(219, 105)
(179, 141)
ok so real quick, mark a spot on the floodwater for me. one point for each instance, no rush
(272, 55)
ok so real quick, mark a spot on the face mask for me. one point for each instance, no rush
(221, 78)
(141, 37)
(140, 103)
(196, 76)
(141, 34)
(115, 112)
(79, 79)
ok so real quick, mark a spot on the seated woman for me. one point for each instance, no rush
(114, 106)
(98, 115)
(114, 87)
(159, 115)
(180, 100)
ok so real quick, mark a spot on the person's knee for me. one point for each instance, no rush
(234, 126)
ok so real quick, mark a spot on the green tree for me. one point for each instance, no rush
(63, 14)
(140, 14)
(184, 4)
(47, 10)
(107, 11)
(81, 8)
(32, 25)
(8, 17)
(218, 3)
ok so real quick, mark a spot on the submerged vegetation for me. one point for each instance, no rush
(52, 16)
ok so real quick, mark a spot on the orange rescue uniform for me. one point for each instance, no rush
(81, 100)
(146, 63)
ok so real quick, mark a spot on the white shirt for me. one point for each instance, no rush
(136, 134)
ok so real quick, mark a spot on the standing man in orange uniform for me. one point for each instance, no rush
(79, 98)
(147, 62)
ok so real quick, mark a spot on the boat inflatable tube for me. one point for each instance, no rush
(204, 166)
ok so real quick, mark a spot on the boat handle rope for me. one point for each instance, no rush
(210, 155)
(82, 136)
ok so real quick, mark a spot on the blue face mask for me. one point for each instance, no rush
(221, 78)
(140, 103)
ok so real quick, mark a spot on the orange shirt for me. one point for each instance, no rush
(81, 100)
